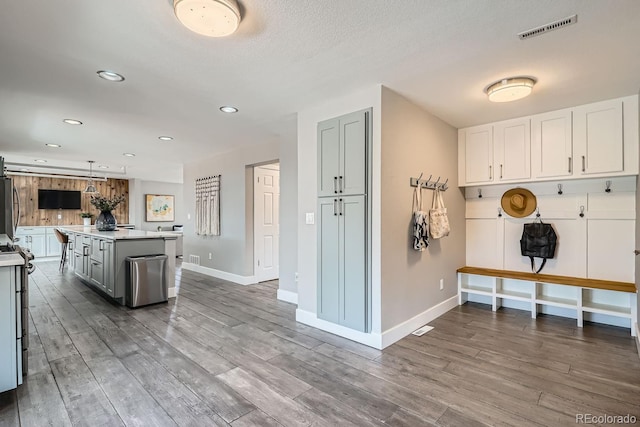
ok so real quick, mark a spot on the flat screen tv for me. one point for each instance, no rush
(59, 199)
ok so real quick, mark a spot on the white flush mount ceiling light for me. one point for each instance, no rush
(91, 187)
(510, 89)
(72, 122)
(111, 76)
(213, 18)
(228, 109)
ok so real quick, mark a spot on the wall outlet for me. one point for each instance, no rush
(210, 255)
(310, 218)
(441, 284)
(59, 216)
(188, 216)
(296, 277)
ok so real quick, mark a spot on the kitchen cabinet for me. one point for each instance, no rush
(34, 239)
(512, 150)
(552, 144)
(342, 250)
(54, 247)
(10, 374)
(343, 218)
(342, 155)
(598, 138)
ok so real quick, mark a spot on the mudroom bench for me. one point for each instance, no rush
(585, 297)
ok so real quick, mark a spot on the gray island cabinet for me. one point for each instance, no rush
(98, 258)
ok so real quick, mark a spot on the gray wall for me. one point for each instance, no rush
(139, 188)
(414, 141)
(232, 251)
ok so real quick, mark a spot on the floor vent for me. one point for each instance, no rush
(556, 25)
(194, 259)
(420, 332)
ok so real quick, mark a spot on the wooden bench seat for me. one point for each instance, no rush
(588, 297)
(609, 285)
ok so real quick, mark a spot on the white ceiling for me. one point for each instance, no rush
(286, 55)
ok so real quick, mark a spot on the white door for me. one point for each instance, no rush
(266, 221)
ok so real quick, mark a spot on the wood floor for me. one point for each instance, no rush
(223, 354)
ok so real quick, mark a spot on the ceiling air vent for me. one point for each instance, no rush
(556, 25)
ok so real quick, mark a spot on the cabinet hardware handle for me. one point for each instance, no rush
(569, 165)
(340, 207)
(500, 170)
(335, 184)
(341, 184)
(583, 164)
(490, 172)
(101, 245)
(334, 206)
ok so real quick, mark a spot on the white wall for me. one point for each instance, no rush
(414, 142)
(308, 192)
(288, 214)
(139, 188)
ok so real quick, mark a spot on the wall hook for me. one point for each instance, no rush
(499, 212)
(559, 188)
(444, 186)
(581, 211)
(607, 186)
(537, 212)
(479, 193)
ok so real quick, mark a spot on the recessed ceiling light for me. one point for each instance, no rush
(228, 109)
(72, 122)
(53, 145)
(165, 138)
(110, 76)
(103, 166)
(128, 154)
(40, 161)
(510, 89)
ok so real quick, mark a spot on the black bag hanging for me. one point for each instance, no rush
(538, 240)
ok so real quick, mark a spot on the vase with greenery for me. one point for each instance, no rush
(106, 221)
(86, 218)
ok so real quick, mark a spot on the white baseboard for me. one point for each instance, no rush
(388, 337)
(405, 328)
(309, 318)
(288, 296)
(235, 278)
(171, 292)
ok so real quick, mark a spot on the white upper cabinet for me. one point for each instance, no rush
(552, 144)
(475, 146)
(598, 138)
(593, 140)
(512, 150)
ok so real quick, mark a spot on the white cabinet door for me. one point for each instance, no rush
(54, 247)
(597, 136)
(478, 154)
(611, 244)
(552, 149)
(512, 150)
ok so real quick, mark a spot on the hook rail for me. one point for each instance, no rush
(429, 184)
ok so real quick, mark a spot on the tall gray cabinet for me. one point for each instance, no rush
(343, 220)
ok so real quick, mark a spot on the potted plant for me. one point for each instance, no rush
(86, 218)
(106, 221)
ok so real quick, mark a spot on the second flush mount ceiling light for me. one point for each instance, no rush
(213, 18)
(510, 89)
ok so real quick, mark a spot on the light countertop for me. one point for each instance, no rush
(8, 259)
(119, 234)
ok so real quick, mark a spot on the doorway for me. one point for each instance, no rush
(266, 217)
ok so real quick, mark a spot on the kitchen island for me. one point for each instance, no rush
(98, 258)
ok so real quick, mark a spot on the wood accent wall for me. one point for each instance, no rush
(31, 216)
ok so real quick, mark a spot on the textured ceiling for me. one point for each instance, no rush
(286, 55)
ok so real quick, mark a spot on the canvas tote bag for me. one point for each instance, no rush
(438, 220)
(420, 232)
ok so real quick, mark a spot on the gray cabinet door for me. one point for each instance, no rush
(109, 267)
(353, 155)
(328, 157)
(8, 313)
(328, 260)
(353, 267)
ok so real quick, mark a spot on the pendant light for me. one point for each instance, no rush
(91, 188)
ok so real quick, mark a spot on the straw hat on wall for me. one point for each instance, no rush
(518, 202)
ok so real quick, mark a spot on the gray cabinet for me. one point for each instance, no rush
(343, 212)
(8, 318)
(342, 160)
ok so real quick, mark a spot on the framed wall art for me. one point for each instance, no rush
(159, 208)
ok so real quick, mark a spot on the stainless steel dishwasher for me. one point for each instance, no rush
(146, 280)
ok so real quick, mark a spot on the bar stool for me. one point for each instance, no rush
(64, 241)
